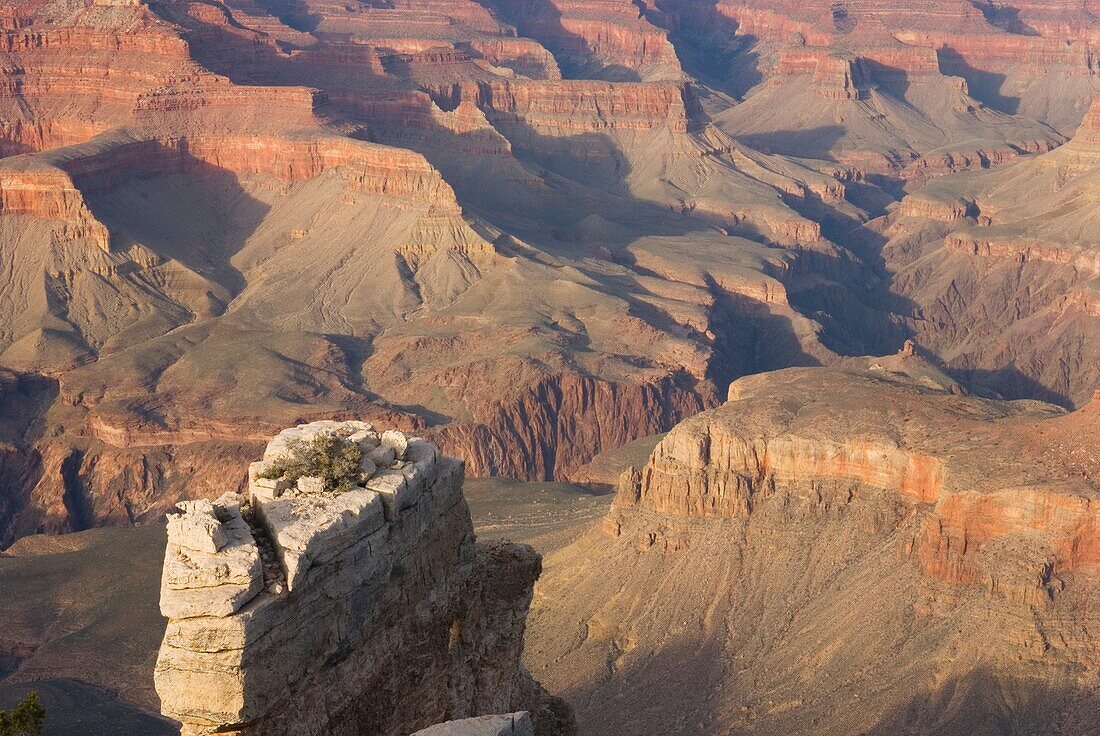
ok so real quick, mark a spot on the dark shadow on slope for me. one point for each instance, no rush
(753, 340)
(803, 143)
(751, 337)
(595, 162)
(843, 22)
(850, 297)
(244, 58)
(293, 13)
(180, 208)
(593, 170)
(982, 703)
(984, 86)
(708, 45)
(77, 506)
(663, 691)
(11, 147)
(1005, 17)
(890, 78)
(893, 187)
(1011, 383)
(24, 400)
(660, 692)
(93, 645)
(76, 709)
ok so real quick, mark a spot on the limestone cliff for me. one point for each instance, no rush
(860, 549)
(296, 610)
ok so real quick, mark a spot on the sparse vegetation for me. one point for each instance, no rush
(25, 719)
(328, 456)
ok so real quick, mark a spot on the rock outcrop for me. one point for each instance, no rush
(866, 535)
(597, 40)
(305, 610)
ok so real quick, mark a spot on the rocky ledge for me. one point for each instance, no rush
(360, 605)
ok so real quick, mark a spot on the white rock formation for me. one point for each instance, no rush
(510, 724)
(304, 611)
(213, 565)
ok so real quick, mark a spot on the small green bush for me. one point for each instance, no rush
(327, 456)
(25, 719)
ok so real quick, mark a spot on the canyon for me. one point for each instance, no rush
(867, 534)
(530, 232)
(531, 237)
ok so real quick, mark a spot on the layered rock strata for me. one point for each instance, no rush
(999, 270)
(227, 202)
(1035, 68)
(866, 535)
(296, 610)
(197, 225)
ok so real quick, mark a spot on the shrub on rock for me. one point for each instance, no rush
(334, 459)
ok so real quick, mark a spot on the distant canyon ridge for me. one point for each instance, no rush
(530, 231)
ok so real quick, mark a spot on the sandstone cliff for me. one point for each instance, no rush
(865, 535)
(305, 611)
(1036, 69)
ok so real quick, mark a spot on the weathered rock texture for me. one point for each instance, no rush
(512, 724)
(861, 549)
(205, 209)
(298, 611)
(937, 86)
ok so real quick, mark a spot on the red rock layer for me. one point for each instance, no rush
(562, 422)
(985, 474)
(958, 26)
(65, 85)
(1022, 251)
(1087, 137)
(984, 49)
(31, 187)
(606, 39)
(836, 78)
(580, 106)
(522, 55)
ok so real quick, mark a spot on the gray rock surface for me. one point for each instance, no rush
(509, 724)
